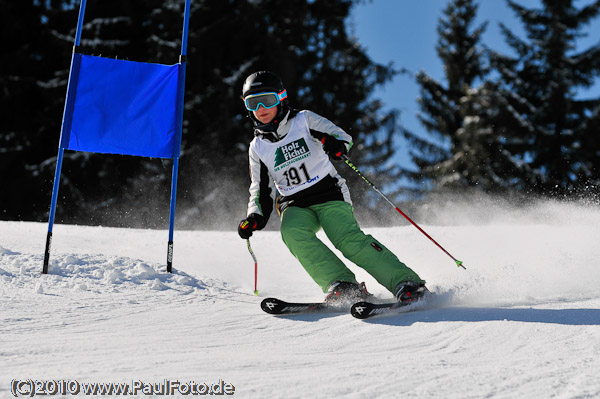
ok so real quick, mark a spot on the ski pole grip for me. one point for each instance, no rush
(246, 223)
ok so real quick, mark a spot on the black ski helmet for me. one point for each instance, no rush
(260, 82)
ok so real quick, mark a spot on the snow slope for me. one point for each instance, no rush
(522, 321)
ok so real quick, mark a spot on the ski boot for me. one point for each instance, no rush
(343, 292)
(410, 291)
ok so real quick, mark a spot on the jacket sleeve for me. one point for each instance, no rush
(262, 188)
(320, 126)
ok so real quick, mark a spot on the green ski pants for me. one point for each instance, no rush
(298, 230)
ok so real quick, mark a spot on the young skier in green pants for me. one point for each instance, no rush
(289, 159)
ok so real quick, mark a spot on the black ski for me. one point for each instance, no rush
(363, 310)
(360, 310)
(277, 306)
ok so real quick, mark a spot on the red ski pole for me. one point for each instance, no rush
(354, 168)
(245, 226)
(255, 267)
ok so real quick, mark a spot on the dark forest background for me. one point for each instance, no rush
(497, 124)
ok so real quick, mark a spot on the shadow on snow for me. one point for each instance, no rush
(572, 317)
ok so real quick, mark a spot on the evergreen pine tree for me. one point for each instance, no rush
(548, 129)
(455, 153)
(31, 62)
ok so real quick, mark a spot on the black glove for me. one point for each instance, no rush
(253, 222)
(336, 149)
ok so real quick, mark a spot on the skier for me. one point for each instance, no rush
(290, 153)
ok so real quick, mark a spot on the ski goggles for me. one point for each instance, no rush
(267, 100)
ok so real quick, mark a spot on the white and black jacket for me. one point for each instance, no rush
(290, 164)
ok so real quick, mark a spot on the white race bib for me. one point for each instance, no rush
(297, 161)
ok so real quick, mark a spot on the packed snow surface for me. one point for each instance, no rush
(523, 321)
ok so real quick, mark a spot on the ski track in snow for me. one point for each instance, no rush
(522, 321)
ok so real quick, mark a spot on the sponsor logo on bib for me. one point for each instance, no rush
(291, 151)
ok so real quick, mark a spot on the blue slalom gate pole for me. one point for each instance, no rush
(66, 126)
(178, 129)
